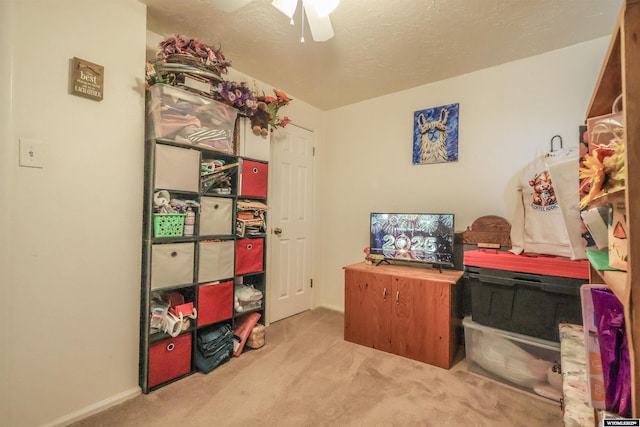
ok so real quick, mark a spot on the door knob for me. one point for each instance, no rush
(277, 231)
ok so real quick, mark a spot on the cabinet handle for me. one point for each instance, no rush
(384, 294)
(397, 297)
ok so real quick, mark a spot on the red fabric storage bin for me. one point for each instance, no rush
(169, 359)
(249, 256)
(215, 302)
(253, 181)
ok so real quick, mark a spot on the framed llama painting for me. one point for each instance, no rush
(435, 135)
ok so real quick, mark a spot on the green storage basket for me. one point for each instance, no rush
(168, 224)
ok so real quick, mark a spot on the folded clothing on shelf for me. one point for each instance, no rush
(214, 347)
(247, 298)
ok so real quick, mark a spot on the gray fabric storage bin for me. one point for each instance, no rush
(171, 264)
(251, 145)
(216, 216)
(216, 260)
(177, 168)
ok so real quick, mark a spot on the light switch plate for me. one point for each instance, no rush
(31, 153)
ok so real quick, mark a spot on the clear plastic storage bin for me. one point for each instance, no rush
(525, 362)
(186, 118)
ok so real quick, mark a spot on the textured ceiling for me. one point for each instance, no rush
(382, 46)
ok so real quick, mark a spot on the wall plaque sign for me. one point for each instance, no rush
(87, 79)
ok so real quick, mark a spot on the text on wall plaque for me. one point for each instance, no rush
(87, 79)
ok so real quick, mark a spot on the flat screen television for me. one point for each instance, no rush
(418, 237)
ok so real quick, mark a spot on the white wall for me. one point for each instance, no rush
(71, 232)
(70, 239)
(507, 114)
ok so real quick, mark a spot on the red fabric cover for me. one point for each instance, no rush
(528, 263)
(254, 179)
(249, 255)
(215, 302)
(243, 330)
(169, 359)
(186, 309)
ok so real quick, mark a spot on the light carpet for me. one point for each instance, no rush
(307, 375)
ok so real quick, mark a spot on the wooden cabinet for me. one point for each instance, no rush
(621, 75)
(402, 310)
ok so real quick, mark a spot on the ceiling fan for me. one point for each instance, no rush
(316, 11)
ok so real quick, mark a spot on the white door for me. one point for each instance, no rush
(290, 221)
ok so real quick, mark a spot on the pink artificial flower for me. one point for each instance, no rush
(285, 121)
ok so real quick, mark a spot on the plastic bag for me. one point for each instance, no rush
(614, 351)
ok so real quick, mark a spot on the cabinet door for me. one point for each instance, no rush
(367, 300)
(421, 328)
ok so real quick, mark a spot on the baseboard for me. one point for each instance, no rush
(331, 307)
(95, 408)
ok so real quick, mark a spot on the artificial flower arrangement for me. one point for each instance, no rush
(191, 48)
(180, 55)
(237, 95)
(603, 169)
(273, 106)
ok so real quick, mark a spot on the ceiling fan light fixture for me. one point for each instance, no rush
(288, 7)
(316, 12)
(322, 7)
(320, 26)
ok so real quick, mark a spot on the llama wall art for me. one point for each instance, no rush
(435, 135)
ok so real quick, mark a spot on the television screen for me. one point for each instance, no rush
(421, 237)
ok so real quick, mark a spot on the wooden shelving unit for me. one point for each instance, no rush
(620, 74)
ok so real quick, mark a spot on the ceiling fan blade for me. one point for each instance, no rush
(322, 7)
(288, 7)
(228, 5)
(320, 26)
